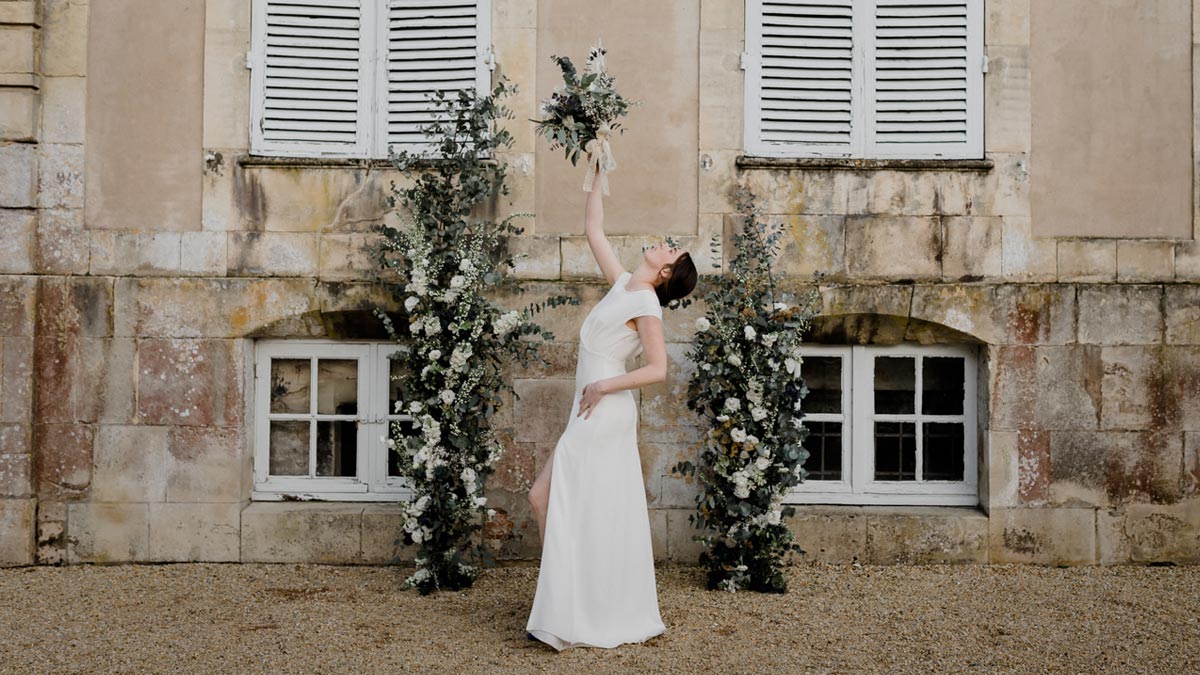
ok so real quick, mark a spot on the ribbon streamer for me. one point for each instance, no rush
(601, 159)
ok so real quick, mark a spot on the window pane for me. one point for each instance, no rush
(942, 451)
(823, 377)
(395, 391)
(895, 385)
(824, 445)
(290, 381)
(895, 451)
(942, 385)
(289, 448)
(337, 442)
(337, 387)
(394, 454)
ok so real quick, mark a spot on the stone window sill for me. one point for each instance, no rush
(263, 161)
(858, 164)
(884, 510)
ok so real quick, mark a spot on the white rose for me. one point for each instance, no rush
(466, 265)
(447, 396)
(435, 355)
(752, 439)
(468, 476)
(702, 324)
(758, 413)
(762, 463)
(418, 536)
(769, 338)
(741, 491)
(773, 517)
(750, 334)
(734, 359)
(414, 407)
(732, 403)
(458, 281)
(481, 501)
(738, 434)
(411, 302)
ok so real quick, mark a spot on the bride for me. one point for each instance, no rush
(596, 584)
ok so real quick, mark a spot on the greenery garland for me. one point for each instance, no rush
(455, 343)
(748, 389)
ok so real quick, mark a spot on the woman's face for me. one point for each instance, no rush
(661, 255)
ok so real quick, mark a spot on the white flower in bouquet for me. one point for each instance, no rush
(411, 302)
(482, 501)
(751, 440)
(738, 435)
(418, 536)
(705, 366)
(466, 265)
(413, 407)
(458, 281)
(762, 463)
(703, 324)
(435, 355)
(432, 325)
(447, 396)
(460, 357)
(491, 513)
(758, 413)
(749, 331)
(792, 366)
(768, 339)
(722, 418)
(468, 477)
(732, 404)
(774, 516)
(734, 359)
(506, 323)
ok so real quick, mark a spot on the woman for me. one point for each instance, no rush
(596, 585)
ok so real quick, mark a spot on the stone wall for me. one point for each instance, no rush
(127, 352)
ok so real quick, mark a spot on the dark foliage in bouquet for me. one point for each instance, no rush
(748, 390)
(579, 107)
(452, 341)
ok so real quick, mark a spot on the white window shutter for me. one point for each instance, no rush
(429, 45)
(924, 79)
(312, 62)
(801, 75)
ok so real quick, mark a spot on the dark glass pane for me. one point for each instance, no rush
(337, 387)
(895, 385)
(336, 445)
(406, 427)
(288, 452)
(942, 385)
(942, 451)
(895, 451)
(290, 384)
(824, 445)
(823, 377)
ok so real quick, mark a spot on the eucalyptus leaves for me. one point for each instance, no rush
(748, 388)
(581, 114)
(453, 341)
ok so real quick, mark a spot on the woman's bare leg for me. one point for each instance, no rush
(539, 497)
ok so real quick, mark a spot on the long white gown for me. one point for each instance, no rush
(596, 585)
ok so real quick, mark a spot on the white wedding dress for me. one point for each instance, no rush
(596, 585)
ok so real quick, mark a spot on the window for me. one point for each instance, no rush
(889, 425)
(864, 78)
(321, 411)
(348, 78)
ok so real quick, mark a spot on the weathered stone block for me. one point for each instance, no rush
(963, 308)
(923, 535)
(718, 183)
(17, 48)
(202, 253)
(18, 231)
(1182, 314)
(1187, 258)
(18, 175)
(107, 533)
(64, 37)
(63, 464)
(1026, 257)
(63, 110)
(1145, 260)
(681, 548)
(158, 253)
(545, 405)
(16, 380)
(1191, 464)
(60, 177)
(1112, 544)
(829, 533)
(130, 464)
(299, 532)
(344, 257)
(15, 439)
(1114, 467)
(1068, 387)
(1044, 536)
(1004, 468)
(1087, 260)
(811, 244)
(195, 532)
(63, 246)
(1008, 118)
(226, 117)
(382, 530)
(795, 192)
(16, 531)
(1007, 22)
(19, 114)
(537, 257)
(1033, 457)
(1115, 315)
(105, 390)
(658, 534)
(893, 247)
(273, 253)
(1159, 533)
(1181, 387)
(204, 464)
(15, 474)
(189, 382)
(1041, 314)
(972, 247)
(1131, 391)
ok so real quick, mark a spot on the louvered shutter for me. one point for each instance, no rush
(312, 73)
(924, 80)
(431, 45)
(801, 77)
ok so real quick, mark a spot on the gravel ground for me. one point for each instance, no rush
(231, 618)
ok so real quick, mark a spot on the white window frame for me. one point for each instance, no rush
(857, 486)
(862, 144)
(373, 418)
(371, 138)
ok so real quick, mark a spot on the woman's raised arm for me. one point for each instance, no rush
(593, 226)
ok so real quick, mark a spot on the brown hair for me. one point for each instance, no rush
(680, 283)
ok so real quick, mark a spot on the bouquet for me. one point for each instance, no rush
(582, 113)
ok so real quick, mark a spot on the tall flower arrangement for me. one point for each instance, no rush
(748, 389)
(440, 266)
